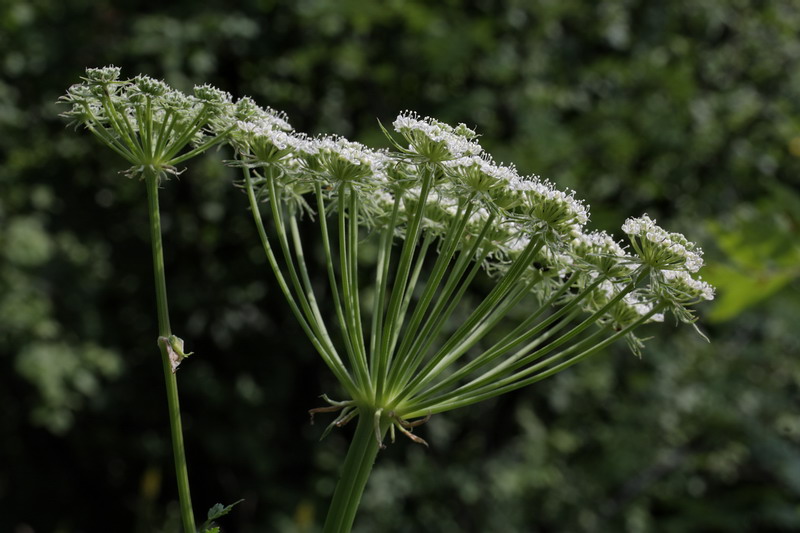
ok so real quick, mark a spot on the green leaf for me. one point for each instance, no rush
(762, 246)
(217, 511)
(739, 290)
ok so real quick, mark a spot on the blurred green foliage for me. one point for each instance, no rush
(762, 252)
(688, 110)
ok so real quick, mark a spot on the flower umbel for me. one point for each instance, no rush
(453, 216)
(441, 213)
(144, 120)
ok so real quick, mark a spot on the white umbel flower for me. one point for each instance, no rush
(659, 248)
(543, 203)
(436, 141)
(480, 175)
(683, 284)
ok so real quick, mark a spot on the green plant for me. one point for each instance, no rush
(441, 215)
(439, 204)
(150, 125)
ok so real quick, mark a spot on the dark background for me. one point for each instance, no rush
(686, 110)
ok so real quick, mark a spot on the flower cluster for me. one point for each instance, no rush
(439, 211)
(439, 190)
(660, 249)
(143, 119)
(431, 140)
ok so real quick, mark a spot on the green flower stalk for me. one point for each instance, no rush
(151, 126)
(441, 213)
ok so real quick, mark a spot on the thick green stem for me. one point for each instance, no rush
(181, 473)
(355, 472)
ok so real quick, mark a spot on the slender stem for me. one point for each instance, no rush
(352, 249)
(393, 319)
(308, 302)
(181, 473)
(522, 358)
(379, 367)
(164, 130)
(104, 135)
(427, 241)
(349, 295)
(177, 145)
(125, 130)
(521, 333)
(451, 241)
(109, 141)
(355, 472)
(508, 385)
(326, 351)
(200, 149)
(332, 280)
(447, 303)
(496, 297)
